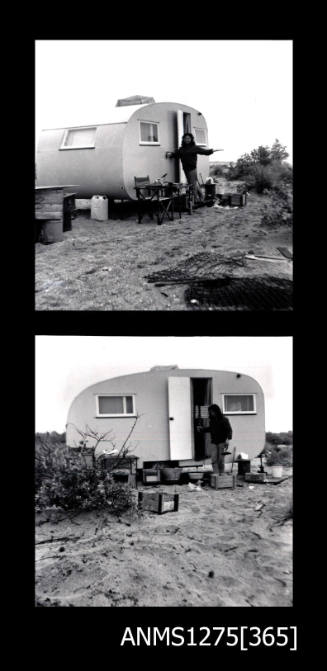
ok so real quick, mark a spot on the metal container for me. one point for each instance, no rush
(52, 231)
(195, 476)
(244, 466)
(171, 474)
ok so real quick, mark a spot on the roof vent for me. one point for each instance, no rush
(164, 368)
(134, 100)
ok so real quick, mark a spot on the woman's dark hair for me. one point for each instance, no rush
(216, 410)
(189, 135)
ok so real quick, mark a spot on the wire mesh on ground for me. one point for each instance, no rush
(199, 266)
(239, 293)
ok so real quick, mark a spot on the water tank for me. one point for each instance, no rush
(99, 208)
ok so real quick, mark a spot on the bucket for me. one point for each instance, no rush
(99, 208)
(52, 231)
(196, 476)
(171, 474)
(277, 471)
(210, 190)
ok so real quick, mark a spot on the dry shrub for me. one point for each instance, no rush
(279, 210)
(67, 481)
(276, 455)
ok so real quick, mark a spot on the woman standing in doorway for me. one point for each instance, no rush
(221, 432)
(187, 153)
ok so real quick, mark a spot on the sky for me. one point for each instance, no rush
(65, 365)
(242, 87)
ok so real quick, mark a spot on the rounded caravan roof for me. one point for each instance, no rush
(171, 371)
(121, 115)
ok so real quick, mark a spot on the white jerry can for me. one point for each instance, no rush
(99, 208)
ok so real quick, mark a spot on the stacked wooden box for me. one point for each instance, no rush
(151, 476)
(125, 478)
(232, 199)
(122, 469)
(54, 209)
(224, 481)
(255, 477)
(238, 199)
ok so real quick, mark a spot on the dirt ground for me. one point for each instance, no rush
(103, 265)
(221, 548)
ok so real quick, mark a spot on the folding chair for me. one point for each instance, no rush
(144, 196)
(153, 195)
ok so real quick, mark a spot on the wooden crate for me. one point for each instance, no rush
(224, 481)
(49, 203)
(238, 199)
(125, 478)
(255, 477)
(158, 502)
(150, 476)
(120, 463)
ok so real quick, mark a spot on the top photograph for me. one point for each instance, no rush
(163, 175)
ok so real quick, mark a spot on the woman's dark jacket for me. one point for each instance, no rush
(220, 430)
(188, 155)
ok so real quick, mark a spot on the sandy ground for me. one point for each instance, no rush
(103, 265)
(221, 548)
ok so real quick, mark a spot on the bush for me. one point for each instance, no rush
(217, 171)
(285, 437)
(279, 210)
(278, 455)
(67, 481)
(264, 168)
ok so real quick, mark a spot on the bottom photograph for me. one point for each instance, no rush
(163, 471)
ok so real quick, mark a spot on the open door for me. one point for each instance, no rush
(180, 418)
(181, 121)
(202, 398)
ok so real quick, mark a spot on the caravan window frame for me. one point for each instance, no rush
(148, 142)
(240, 412)
(203, 130)
(116, 414)
(64, 147)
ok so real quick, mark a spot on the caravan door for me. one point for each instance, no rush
(182, 127)
(180, 418)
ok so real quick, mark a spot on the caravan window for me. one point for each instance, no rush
(239, 404)
(109, 405)
(149, 132)
(201, 136)
(79, 138)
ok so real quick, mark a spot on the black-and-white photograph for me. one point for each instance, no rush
(163, 175)
(163, 471)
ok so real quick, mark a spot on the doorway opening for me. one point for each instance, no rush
(202, 398)
(187, 127)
